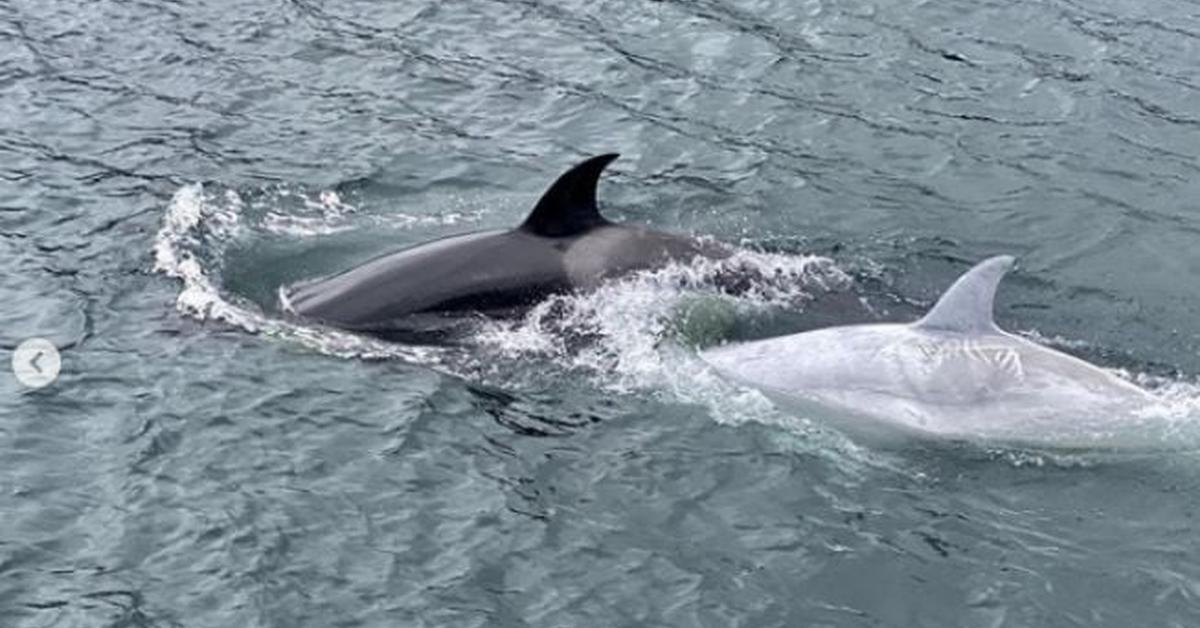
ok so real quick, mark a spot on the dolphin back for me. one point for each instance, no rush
(953, 374)
(484, 272)
(564, 244)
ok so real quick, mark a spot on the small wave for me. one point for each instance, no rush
(1177, 409)
(637, 335)
(1054, 340)
(300, 213)
(621, 334)
(1176, 412)
(198, 227)
(190, 220)
(326, 213)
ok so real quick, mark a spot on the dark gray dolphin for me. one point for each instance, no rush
(427, 290)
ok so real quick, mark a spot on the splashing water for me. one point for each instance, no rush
(622, 334)
(198, 228)
(628, 336)
(627, 333)
(632, 335)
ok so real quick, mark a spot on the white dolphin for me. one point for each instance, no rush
(952, 375)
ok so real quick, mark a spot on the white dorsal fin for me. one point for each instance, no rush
(967, 305)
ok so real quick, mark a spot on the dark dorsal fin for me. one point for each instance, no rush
(569, 206)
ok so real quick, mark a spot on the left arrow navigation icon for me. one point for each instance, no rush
(36, 362)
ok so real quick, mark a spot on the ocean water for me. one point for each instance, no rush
(202, 461)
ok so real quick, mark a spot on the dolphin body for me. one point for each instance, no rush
(952, 375)
(434, 291)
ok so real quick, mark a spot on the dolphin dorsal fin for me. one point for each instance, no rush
(967, 305)
(569, 205)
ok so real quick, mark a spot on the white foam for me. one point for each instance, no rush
(1054, 340)
(620, 337)
(302, 214)
(197, 229)
(187, 216)
(628, 321)
(1177, 411)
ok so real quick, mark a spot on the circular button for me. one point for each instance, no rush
(36, 362)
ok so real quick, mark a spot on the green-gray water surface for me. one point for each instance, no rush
(166, 167)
